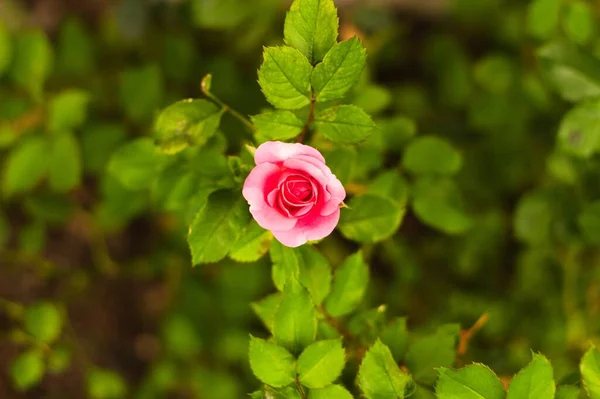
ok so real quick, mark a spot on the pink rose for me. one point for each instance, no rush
(293, 193)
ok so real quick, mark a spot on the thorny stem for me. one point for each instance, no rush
(311, 118)
(227, 108)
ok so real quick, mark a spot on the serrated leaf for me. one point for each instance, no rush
(349, 286)
(278, 125)
(568, 392)
(32, 61)
(290, 392)
(43, 321)
(321, 363)
(431, 155)
(536, 381)
(68, 110)
(217, 226)
(284, 77)
(266, 308)
(136, 163)
(574, 73)
(65, 163)
(379, 376)
(432, 351)
(252, 245)
(475, 381)
(395, 336)
(370, 218)
(304, 263)
(542, 18)
(340, 70)
(186, 122)
(590, 372)
(345, 124)
(438, 203)
(311, 26)
(27, 370)
(330, 392)
(271, 363)
(579, 132)
(390, 184)
(295, 324)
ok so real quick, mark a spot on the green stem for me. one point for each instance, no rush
(225, 107)
(311, 118)
(300, 388)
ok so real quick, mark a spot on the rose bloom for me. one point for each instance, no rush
(293, 193)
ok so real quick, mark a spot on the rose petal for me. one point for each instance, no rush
(309, 228)
(336, 189)
(257, 184)
(277, 152)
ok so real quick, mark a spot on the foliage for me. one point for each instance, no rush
(465, 263)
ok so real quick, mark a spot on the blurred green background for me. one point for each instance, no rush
(97, 294)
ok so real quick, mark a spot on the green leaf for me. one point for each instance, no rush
(304, 263)
(271, 363)
(342, 162)
(278, 125)
(26, 165)
(568, 392)
(75, 49)
(284, 77)
(395, 336)
(290, 392)
(475, 381)
(180, 338)
(32, 237)
(349, 286)
(589, 222)
(266, 308)
(321, 363)
(311, 26)
(495, 73)
(27, 370)
(330, 392)
(379, 377)
(578, 22)
(217, 226)
(542, 18)
(141, 91)
(68, 110)
(396, 132)
(340, 70)
(43, 321)
(579, 132)
(431, 155)
(136, 163)
(97, 144)
(105, 384)
(295, 324)
(432, 351)
(59, 360)
(187, 122)
(65, 163)
(590, 372)
(536, 381)
(390, 184)
(575, 74)
(438, 203)
(32, 61)
(6, 48)
(252, 245)
(370, 218)
(533, 218)
(345, 124)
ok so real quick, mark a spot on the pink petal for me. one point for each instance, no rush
(309, 228)
(336, 189)
(257, 184)
(277, 151)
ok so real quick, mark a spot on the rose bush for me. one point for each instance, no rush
(293, 193)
